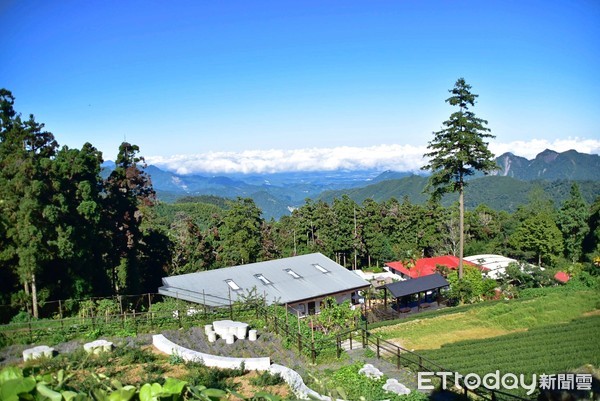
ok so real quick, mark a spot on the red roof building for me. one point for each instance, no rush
(562, 277)
(427, 266)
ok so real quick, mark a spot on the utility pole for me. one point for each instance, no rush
(354, 242)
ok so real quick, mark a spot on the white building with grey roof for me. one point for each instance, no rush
(300, 282)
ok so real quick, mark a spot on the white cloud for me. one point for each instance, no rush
(530, 149)
(380, 157)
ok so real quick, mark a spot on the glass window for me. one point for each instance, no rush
(321, 268)
(233, 285)
(292, 273)
(263, 279)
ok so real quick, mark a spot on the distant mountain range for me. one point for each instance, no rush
(277, 194)
(551, 165)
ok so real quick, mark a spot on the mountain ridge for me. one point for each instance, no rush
(278, 193)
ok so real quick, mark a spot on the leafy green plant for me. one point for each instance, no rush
(175, 359)
(134, 355)
(172, 390)
(267, 379)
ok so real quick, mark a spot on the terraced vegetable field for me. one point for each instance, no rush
(549, 349)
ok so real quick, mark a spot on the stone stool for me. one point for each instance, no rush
(229, 339)
(38, 352)
(241, 330)
(252, 334)
(212, 336)
(98, 346)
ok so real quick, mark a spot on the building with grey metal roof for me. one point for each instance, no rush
(300, 282)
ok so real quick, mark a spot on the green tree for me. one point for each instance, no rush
(343, 229)
(458, 151)
(303, 230)
(336, 317)
(484, 230)
(269, 248)
(127, 188)
(192, 251)
(431, 228)
(572, 221)
(473, 287)
(402, 226)
(375, 238)
(538, 236)
(241, 232)
(591, 242)
(26, 153)
(80, 241)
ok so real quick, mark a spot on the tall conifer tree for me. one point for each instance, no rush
(457, 151)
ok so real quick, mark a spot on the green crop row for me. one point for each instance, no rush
(551, 349)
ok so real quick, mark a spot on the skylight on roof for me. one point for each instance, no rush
(292, 273)
(263, 279)
(321, 268)
(233, 285)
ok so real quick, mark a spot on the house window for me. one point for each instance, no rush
(321, 268)
(311, 308)
(233, 285)
(292, 273)
(263, 279)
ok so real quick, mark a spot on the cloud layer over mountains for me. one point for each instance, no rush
(379, 157)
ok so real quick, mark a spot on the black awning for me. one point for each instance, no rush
(416, 285)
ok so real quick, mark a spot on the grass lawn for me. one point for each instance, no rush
(488, 321)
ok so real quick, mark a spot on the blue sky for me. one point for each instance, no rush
(254, 85)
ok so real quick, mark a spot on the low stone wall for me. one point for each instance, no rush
(223, 362)
(294, 380)
(290, 376)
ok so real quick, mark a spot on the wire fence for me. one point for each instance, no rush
(403, 358)
(119, 316)
(147, 313)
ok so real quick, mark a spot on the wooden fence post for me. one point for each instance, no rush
(299, 343)
(29, 325)
(398, 364)
(378, 354)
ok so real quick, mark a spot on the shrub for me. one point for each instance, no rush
(266, 379)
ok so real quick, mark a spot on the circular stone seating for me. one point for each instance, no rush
(38, 352)
(225, 327)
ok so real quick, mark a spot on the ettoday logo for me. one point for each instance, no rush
(508, 381)
(472, 381)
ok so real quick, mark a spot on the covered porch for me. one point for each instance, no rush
(404, 298)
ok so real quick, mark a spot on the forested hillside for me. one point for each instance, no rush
(498, 192)
(69, 231)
